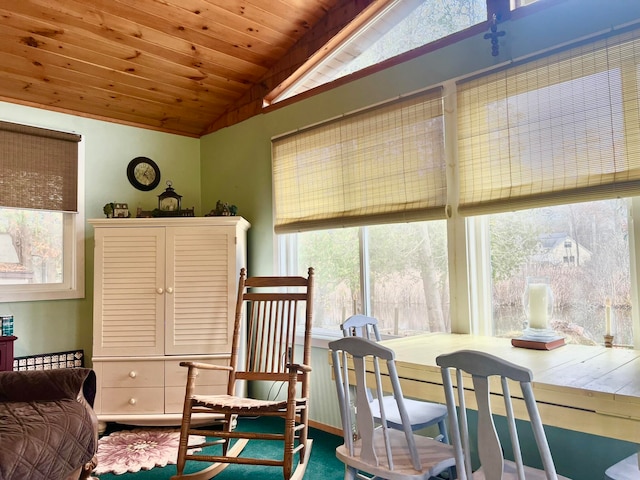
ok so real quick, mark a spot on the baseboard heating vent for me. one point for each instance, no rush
(50, 361)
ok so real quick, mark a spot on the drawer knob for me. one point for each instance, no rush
(132, 401)
(169, 290)
(133, 374)
(159, 290)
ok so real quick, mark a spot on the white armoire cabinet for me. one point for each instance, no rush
(164, 292)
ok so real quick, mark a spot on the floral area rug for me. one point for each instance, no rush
(140, 449)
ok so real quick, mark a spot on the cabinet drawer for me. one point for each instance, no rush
(176, 376)
(132, 400)
(132, 374)
(174, 396)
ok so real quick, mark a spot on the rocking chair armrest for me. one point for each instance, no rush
(206, 366)
(299, 367)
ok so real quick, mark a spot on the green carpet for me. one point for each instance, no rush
(323, 463)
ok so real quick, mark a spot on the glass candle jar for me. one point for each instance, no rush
(538, 305)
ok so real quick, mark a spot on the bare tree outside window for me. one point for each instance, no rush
(31, 247)
(407, 278)
(583, 249)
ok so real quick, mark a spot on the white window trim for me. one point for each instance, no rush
(479, 274)
(634, 259)
(74, 255)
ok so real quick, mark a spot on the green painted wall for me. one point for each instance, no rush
(234, 165)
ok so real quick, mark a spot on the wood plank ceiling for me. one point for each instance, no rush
(186, 67)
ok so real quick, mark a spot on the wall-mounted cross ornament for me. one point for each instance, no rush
(494, 36)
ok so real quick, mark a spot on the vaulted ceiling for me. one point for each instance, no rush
(187, 67)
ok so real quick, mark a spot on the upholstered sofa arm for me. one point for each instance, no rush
(48, 385)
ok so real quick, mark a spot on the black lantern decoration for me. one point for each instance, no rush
(169, 200)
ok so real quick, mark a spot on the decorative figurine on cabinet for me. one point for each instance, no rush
(223, 209)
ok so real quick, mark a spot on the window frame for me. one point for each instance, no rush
(73, 287)
(634, 272)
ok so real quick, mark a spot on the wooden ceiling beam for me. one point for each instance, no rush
(336, 19)
(367, 15)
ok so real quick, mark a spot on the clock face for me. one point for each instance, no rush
(143, 173)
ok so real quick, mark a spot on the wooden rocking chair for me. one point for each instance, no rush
(279, 311)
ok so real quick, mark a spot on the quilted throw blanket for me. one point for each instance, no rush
(47, 425)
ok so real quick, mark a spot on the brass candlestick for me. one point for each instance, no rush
(608, 341)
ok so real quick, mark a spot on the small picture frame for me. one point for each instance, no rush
(120, 210)
(7, 325)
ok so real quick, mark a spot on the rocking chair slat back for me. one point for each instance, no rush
(273, 317)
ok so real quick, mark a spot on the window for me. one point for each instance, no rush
(401, 267)
(398, 28)
(554, 139)
(546, 163)
(582, 249)
(348, 187)
(41, 221)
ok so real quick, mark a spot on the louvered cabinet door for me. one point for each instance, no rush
(201, 282)
(129, 298)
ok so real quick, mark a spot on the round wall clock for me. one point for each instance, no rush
(143, 173)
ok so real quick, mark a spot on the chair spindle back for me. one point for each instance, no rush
(359, 348)
(276, 309)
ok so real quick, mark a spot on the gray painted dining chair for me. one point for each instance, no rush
(626, 469)
(422, 414)
(493, 466)
(377, 449)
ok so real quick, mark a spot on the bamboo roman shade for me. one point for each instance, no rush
(559, 129)
(384, 164)
(38, 168)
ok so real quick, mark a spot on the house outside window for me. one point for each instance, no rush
(521, 3)
(583, 251)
